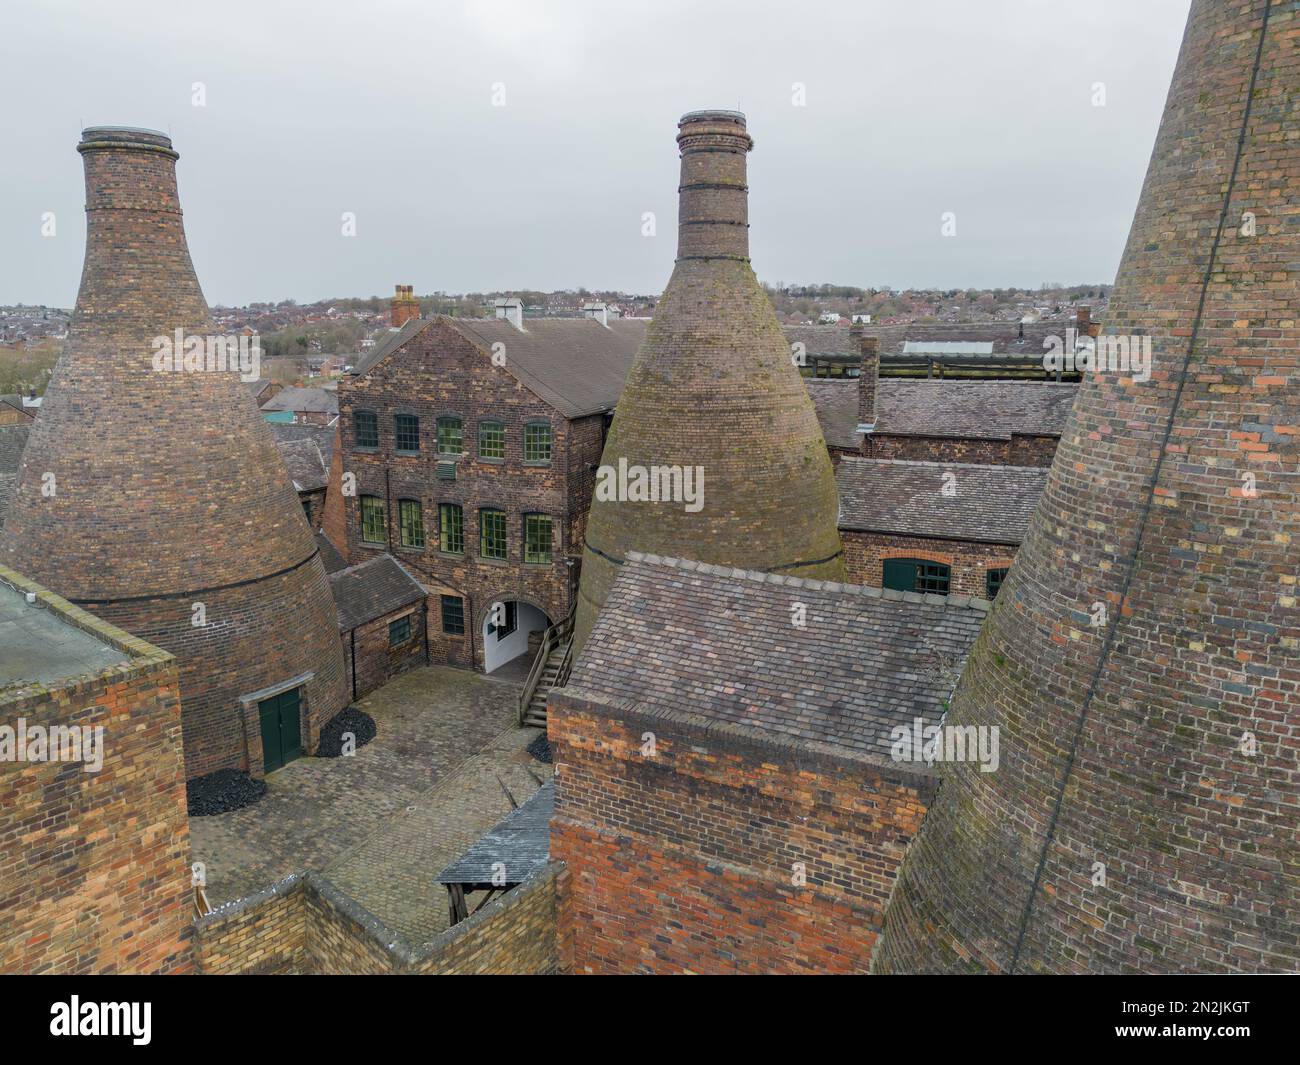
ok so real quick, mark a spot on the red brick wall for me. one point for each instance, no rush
(376, 662)
(864, 555)
(1018, 451)
(94, 867)
(334, 518)
(439, 372)
(686, 861)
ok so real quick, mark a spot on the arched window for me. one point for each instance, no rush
(916, 575)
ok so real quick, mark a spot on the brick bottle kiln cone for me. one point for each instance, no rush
(713, 388)
(1144, 815)
(158, 498)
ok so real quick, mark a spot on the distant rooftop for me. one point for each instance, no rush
(721, 643)
(38, 646)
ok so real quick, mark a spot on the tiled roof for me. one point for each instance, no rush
(13, 438)
(711, 641)
(836, 401)
(988, 410)
(834, 340)
(308, 467)
(576, 365)
(372, 589)
(520, 844)
(329, 554)
(304, 400)
(990, 504)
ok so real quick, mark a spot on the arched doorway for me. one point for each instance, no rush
(507, 624)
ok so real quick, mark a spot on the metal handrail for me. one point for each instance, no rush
(550, 640)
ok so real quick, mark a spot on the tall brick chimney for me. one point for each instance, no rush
(1141, 659)
(405, 305)
(713, 387)
(868, 381)
(157, 498)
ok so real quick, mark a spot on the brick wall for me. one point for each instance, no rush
(686, 861)
(304, 924)
(94, 867)
(864, 555)
(334, 518)
(467, 385)
(1018, 451)
(375, 662)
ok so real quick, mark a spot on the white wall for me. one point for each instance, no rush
(499, 652)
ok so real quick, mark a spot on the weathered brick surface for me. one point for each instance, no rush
(305, 924)
(169, 488)
(714, 386)
(439, 372)
(366, 650)
(686, 861)
(864, 555)
(94, 867)
(1168, 734)
(1018, 451)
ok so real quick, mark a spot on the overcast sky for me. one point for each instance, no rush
(984, 108)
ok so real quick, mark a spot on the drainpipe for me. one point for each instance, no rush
(353, 636)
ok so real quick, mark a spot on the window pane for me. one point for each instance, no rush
(450, 438)
(492, 533)
(372, 520)
(451, 521)
(453, 615)
(537, 538)
(993, 581)
(932, 577)
(505, 619)
(406, 429)
(411, 515)
(491, 440)
(537, 443)
(366, 425)
(399, 631)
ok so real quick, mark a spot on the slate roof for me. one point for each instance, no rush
(306, 450)
(991, 504)
(834, 340)
(372, 589)
(329, 554)
(986, 410)
(576, 365)
(836, 401)
(521, 842)
(304, 401)
(717, 642)
(13, 438)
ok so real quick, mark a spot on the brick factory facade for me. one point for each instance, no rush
(933, 526)
(95, 869)
(474, 445)
(191, 540)
(382, 622)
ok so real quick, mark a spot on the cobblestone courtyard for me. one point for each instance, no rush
(445, 766)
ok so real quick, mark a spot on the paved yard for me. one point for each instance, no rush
(431, 721)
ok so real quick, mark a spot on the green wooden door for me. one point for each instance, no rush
(900, 574)
(281, 728)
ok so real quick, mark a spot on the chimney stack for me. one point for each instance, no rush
(713, 390)
(868, 382)
(405, 305)
(171, 494)
(1140, 664)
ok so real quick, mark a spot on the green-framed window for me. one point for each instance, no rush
(372, 520)
(537, 538)
(916, 575)
(537, 442)
(406, 432)
(492, 533)
(453, 615)
(451, 528)
(503, 620)
(491, 440)
(993, 581)
(365, 428)
(410, 518)
(451, 435)
(399, 631)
